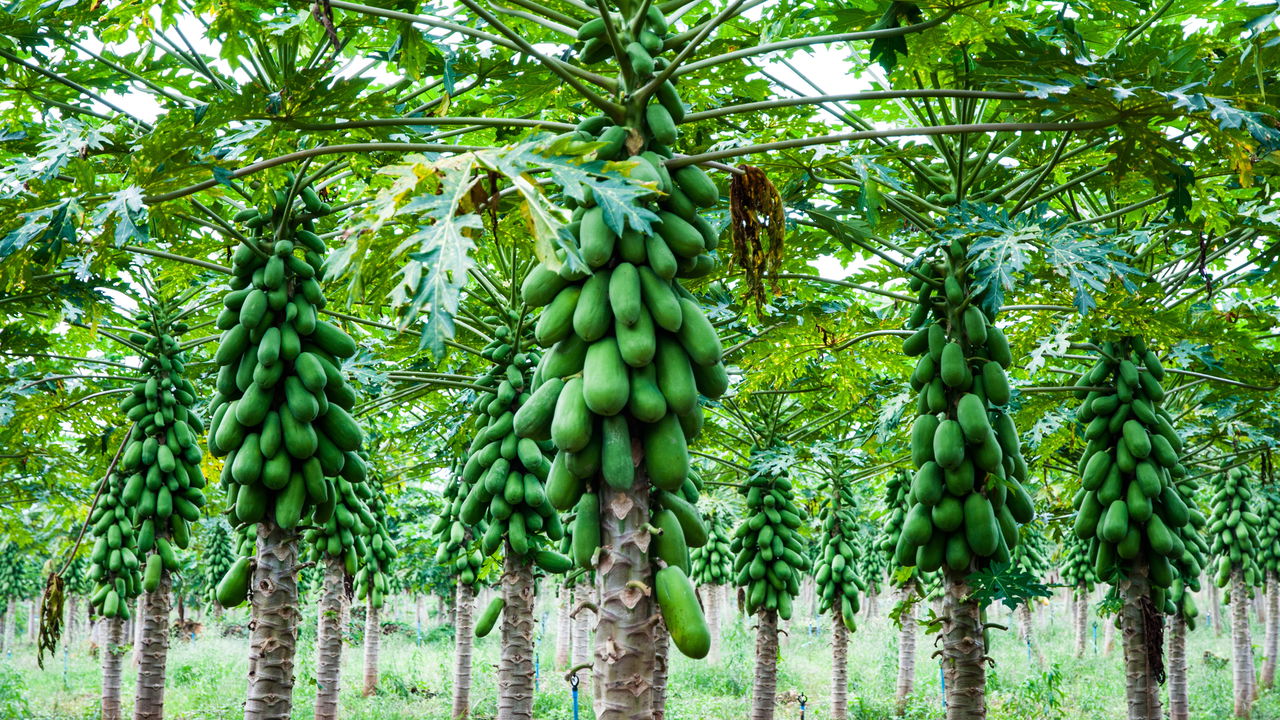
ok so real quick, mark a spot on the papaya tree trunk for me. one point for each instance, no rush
(711, 601)
(1027, 631)
(1144, 666)
(581, 629)
(906, 648)
(1271, 641)
(372, 646)
(332, 607)
(963, 653)
(661, 651)
(839, 668)
(1215, 607)
(1081, 613)
(273, 629)
(764, 690)
(463, 608)
(112, 654)
(153, 651)
(1108, 636)
(1241, 645)
(564, 628)
(70, 622)
(1178, 707)
(33, 618)
(515, 667)
(625, 637)
(10, 618)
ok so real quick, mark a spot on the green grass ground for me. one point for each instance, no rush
(206, 679)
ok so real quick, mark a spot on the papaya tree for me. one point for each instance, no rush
(1268, 509)
(1077, 574)
(280, 417)
(1233, 529)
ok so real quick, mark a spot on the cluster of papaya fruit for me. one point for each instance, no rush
(374, 576)
(1075, 566)
(640, 61)
(1269, 532)
(713, 563)
(217, 556)
(356, 533)
(836, 573)
(1031, 555)
(1128, 506)
(896, 487)
(872, 563)
(506, 473)
(456, 547)
(967, 497)
(771, 556)
(1233, 528)
(281, 413)
(155, 491)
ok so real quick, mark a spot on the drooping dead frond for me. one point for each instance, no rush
(756, 209)
(51, 606)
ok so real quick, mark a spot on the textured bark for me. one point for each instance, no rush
(963, 654)
(1241, 645)
(135, 630)
(1215, 607)
(515, 667)
(906, 648)
(624, 644)
(1080, 612)
(332, 610)
(1271, 642)
(1178, 708)
(581, 630)
(661, 651)
(1142, 696)
(764, 691)
(464, 608)
(372, 645)
(112, 653)
(711, 602)
(564, 627)
(153, 651)
(839, 668)
(273, 626)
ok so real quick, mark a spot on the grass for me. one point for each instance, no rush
(207, 678)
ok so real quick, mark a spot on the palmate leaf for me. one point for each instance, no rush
(1005, 249)
(126, 209)
(436, 195)
(1003, 582)
(50, 225)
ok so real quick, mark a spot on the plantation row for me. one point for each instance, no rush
(392, 302)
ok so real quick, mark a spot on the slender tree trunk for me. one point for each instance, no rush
(332, 611)
(1178, 707)
(711, 599)
(1027, 631)
(112, 654)
(1271, 643)
(1215, 606)
(906, 649)
(1138, 619)
(464, 607)
(273, 635)
(624, 644)
(419, 610)
(33, 619)
(515, 668)
(372, 645)
(1241, 645)
(963, 654)
(1081, 613)
(661, 651)
(581, 630)
(564, 628)
(71, 621)
(10, 619)
(135, 630)
(839, 668)
(873, 606)
(1108, 636)
(764, 691)
(152, 651)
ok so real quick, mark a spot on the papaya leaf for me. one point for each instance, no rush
(1004, 583)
